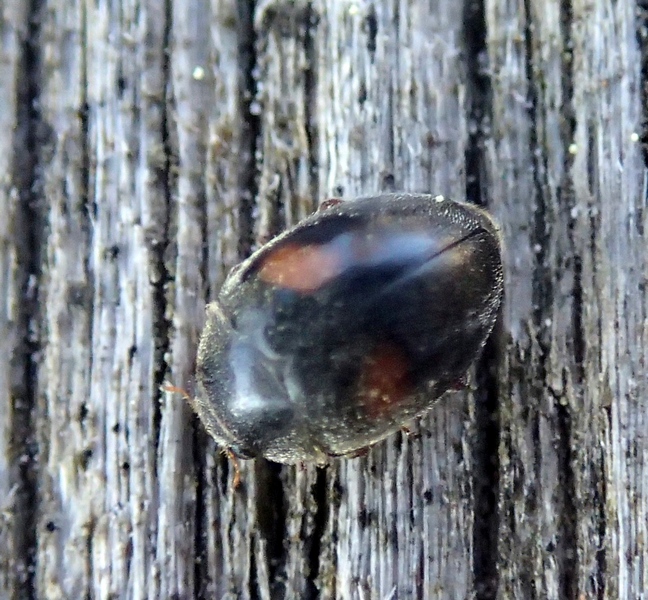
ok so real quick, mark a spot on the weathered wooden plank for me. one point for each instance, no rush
(566, 180)
(224, 542)
(105, 185)
(391, 114)
(15, 173)
(66, 424)
(216, 48)
(523, 119)
(165, 141)
(611, 187)
(286, 193)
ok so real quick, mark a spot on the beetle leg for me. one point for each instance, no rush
(168, 387)
(236, 481)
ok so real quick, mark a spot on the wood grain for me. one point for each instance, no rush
(146, 147)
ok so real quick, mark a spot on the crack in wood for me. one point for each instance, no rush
(29, 232)
(315, 540)
(250, 123)
(487, 435)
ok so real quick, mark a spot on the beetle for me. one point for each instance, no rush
(337, 332)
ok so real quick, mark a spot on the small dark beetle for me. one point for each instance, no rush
(337, 332)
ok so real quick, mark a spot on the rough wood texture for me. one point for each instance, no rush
(147, 146)
(16, 383)
(567, 180)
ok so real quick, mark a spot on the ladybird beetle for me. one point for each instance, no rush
(337, 332)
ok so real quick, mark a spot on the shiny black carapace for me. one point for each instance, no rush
(339, 331)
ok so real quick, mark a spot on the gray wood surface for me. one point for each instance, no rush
(146, 146)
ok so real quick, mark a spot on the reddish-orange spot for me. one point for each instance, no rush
(303, 268)
(384, 380)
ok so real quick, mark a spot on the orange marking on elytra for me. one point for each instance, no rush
(384, 380)
(299, 267)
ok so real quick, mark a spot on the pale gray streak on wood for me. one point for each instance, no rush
(282, 30)
(124, 204)
(572, 135)
(549, 463)
(69, 415)
(224, 145)
(100, 303)
(188, 110)
(391, 114)
(430, 123)
(12, 561)
(428, 98)
(512, 197)
(144, 81)
(229, 539)
(572, 467)
(228, 523)
(353, 111)
(510, 164)
(610, 184)
(240, 522)
(301, 526)
(530, 142)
